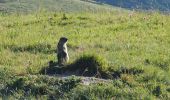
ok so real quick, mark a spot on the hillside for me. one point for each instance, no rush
(134, 48)
(27, 6)
(162, 5)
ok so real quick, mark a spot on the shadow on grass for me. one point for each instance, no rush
(88, 66)
(37, 85)
(36, 48)
(67, 70)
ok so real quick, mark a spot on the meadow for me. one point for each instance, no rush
(28, 6)
(130, 40)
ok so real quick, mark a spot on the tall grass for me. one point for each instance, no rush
(129, 40)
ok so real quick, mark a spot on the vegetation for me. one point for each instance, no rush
(135, 46)
(27, 6)
(90, 63)
(32, 87)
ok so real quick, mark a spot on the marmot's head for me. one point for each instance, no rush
(63, 40)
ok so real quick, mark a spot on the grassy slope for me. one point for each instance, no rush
(125, 40)
(50, 5)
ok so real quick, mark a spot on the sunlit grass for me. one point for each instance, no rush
(126, 40)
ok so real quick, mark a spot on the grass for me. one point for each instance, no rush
(29, 87)
(129, 41)
(27, 6)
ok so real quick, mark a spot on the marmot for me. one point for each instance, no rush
(62, 53)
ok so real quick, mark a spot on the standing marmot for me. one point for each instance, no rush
(62, 53)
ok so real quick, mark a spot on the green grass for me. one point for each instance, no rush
(27, 6)
(127, 41)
